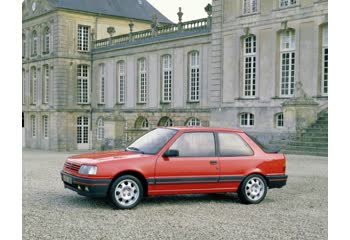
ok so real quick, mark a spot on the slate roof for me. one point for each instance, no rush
(137, 9)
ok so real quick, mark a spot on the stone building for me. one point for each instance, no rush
(98, 74)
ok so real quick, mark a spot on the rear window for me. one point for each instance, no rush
(265, 148)
(231, 144)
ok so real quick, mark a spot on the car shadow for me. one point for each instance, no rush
(80, 202)
(191, 199)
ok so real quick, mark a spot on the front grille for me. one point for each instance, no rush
(72, 166)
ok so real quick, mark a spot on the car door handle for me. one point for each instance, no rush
(213, 162)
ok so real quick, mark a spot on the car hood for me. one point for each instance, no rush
(105, 156)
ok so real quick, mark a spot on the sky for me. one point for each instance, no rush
(192, 9)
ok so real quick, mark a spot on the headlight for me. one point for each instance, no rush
(87, 169)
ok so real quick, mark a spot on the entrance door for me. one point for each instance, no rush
(195, 169)
(83, 133)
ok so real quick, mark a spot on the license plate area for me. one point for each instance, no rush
(67, 179)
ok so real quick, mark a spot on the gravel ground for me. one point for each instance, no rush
(297, 211)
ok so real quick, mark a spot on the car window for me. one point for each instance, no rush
(195, 144)
(231, 144)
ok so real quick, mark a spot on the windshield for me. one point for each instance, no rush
(153, 141)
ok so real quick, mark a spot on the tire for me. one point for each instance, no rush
(126, 192)
(253, 189)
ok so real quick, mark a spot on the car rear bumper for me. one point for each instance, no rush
(277, 181)
(88, 187)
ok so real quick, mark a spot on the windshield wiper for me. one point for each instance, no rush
(134, 149)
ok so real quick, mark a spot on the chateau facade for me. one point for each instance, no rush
(99, 74)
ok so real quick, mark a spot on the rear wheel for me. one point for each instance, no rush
(253, 189)
(126, 192)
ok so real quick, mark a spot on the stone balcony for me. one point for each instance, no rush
(155, 34)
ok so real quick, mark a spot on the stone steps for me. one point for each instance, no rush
(312, 141)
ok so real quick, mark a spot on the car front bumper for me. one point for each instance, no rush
(88, 187)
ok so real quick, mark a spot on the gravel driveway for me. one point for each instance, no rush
(297, 211)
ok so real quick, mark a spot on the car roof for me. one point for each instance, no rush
(205, 129)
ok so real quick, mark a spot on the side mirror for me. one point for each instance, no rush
(171, 153)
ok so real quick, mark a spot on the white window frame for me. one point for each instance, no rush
(82, 130)
(46, 83)
(167, 78)
(33, 78)
(287, 63)
(45, 127)
(279, 120)
(142, 80)
(247, 120)
(121, 81)
(249, 66)
(324, 84)
(34, 43)
(83, 84)
(100, 129)
(83, 38)
(169, 123)
(193, 121)
(47, 40)
(194, 77)
(33, 123)
(249, 6)
(145, 124)
(287, 3)
(102, 83)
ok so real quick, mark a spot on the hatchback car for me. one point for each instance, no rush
(178, 160)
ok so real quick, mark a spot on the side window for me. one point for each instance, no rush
(230, 144)
(196, 144)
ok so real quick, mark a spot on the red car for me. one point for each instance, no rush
(178, 160)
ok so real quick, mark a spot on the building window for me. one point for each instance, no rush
(23, 85)
(249, 67)
(121, 81)
(102, 83)
(100, 129)
(83, 38)
(33, 121)
(325, 60)
(142, 123)
(287, 3)
(33, 85)
(83, 84)
(45, 126)
(193, 122)
(24, 45)
(167, 78)
(250, 6)
(47, 40)
(165, 122)
(194, 82)
(247, 119)
(46, 83)
(82, 130)
(279, 120)
(142, 80)
(34, 43)
(287, 71)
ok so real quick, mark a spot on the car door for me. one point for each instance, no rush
(235, 156)
(194, 169)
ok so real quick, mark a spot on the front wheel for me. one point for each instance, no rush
(253, 189)
(126, 192)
